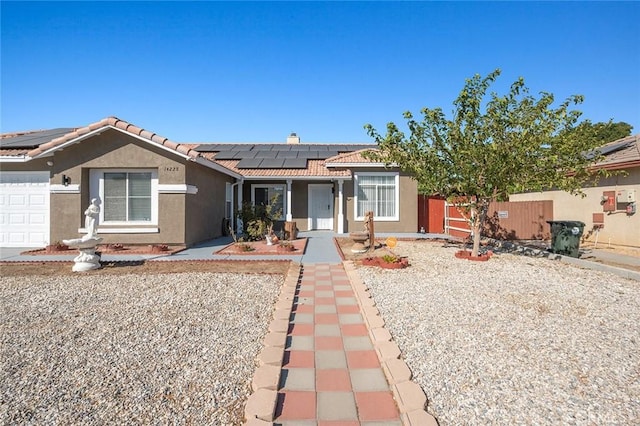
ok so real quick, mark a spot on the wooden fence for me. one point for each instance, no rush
(520, 220)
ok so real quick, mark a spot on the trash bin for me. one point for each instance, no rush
(565, 236)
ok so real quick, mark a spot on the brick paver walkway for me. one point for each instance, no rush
(331, 374)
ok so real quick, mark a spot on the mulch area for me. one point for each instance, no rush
(148, 267)
(253, 248)
(108, 249)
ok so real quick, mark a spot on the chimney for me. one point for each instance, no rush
(293, 139)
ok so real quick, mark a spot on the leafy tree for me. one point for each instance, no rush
(604, 132)
(492, 146)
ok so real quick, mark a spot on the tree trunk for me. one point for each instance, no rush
(476, 226)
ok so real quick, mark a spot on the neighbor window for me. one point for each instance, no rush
(377, 192)
(266, 194)
(128, 196)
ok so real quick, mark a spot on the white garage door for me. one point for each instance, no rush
(24, 209)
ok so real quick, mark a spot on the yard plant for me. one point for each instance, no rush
(492, 146)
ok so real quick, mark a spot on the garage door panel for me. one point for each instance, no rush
(37, 219)
(24, 204)
(16, 219)
(38, 200)
(17, 201)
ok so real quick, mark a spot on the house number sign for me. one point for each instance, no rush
(171, 169)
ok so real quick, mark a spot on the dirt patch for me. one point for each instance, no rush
(147, 267)
(261, 248)
(344, 245)
(110, 249)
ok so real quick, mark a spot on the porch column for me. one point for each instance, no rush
(340, 212)
(289, 215)
(239, 225)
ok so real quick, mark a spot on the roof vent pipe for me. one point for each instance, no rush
(293, 139)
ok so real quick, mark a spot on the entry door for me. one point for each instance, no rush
(320, 206)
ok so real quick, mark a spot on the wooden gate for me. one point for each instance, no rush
(455, 224)
(519, 220)
(431, 214)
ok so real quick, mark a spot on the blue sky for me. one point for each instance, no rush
(254, 72)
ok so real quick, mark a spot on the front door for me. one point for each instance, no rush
(320, 206)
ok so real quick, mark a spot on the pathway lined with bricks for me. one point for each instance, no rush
(331, 371)
(328, 360)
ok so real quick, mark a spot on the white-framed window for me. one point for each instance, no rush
(129, 196)
(228, 200)
(378, 192)
(263, 194)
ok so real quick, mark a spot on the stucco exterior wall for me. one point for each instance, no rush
(116, 150)
(205, 210)
(619, 228)
(408, 208)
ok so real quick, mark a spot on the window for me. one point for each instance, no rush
(228, 200)
(265, 194)
(128, 196)
(377, 192)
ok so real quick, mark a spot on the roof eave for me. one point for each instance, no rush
(14, 159)
(318, 178)
(215, 166)
(356, 165)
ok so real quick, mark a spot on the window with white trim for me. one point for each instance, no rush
(266, 194)
(228, 200)
(128, 196)
(378, 192)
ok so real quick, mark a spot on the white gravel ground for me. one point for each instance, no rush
(515, 340)
(131, 349)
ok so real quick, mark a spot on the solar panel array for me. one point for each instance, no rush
(277, 156)
(33, 139)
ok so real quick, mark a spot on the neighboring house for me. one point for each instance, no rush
(610, 207)
(154, 190)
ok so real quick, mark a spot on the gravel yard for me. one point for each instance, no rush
(131, 349)
(514, 340)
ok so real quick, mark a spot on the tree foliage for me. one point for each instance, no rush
(492, 146)
(604, 132)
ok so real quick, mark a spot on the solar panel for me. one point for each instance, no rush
(295, 163)
(312, 155)
(249, 163)
(266, 154)
(226, 155)
(287, 154)
(33, 139)
(281, 148)
(614, 147)
(209, 147)
(271, 163)
(242, 147)
(299, 147)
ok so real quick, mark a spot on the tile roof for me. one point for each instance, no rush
(351, 157)
(315, 168)
(118, 124)
(313, 155)
(620, 154)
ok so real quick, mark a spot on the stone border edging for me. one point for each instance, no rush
(409, 396)
(261, 404)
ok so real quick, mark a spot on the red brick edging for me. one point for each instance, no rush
(261, 405)
(409, 396)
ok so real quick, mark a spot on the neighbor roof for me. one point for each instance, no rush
(621, 154)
